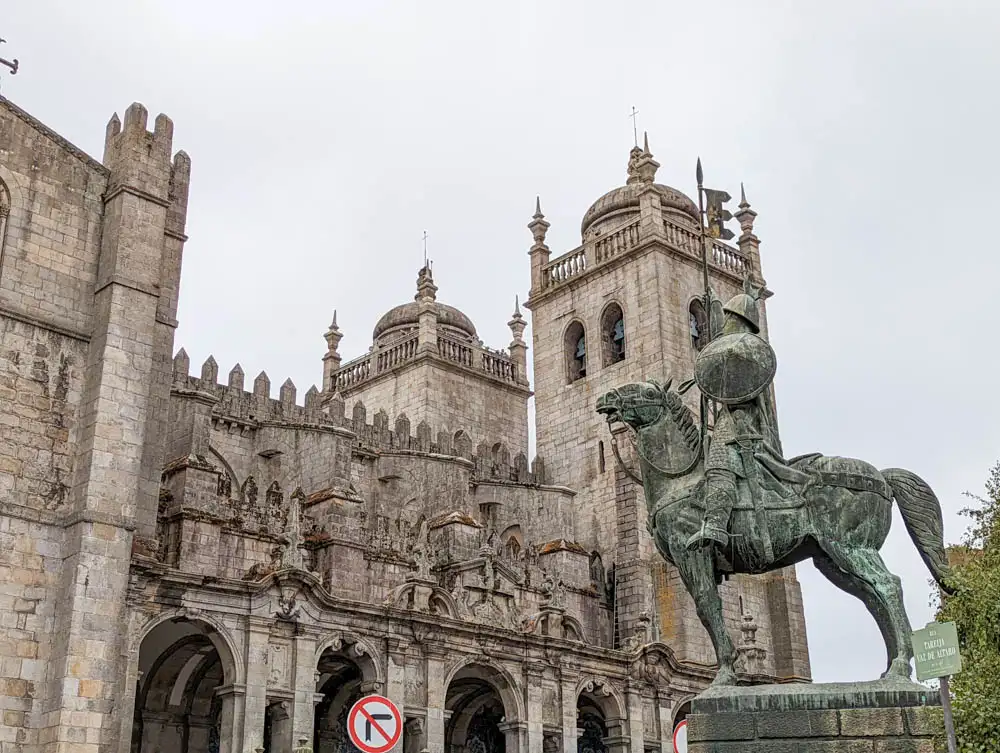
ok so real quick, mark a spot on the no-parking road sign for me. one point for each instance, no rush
(374, 724)
(681, 737)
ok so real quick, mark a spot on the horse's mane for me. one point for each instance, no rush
(684, 419)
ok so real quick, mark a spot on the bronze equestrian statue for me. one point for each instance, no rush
(743, 508)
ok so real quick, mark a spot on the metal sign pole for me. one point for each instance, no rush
(949, 721)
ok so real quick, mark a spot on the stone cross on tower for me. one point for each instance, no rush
(635, 125)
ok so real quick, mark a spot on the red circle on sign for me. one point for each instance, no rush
(683, 725)
(370, 708)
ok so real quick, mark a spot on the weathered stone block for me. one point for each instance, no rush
(924, 721)
(838, 746)
(904, 746)
(757, 746)
(721, 727)
(871, 722)
(795, 724)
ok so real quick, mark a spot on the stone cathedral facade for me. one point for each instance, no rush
(201, 561)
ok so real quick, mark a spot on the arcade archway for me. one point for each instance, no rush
(478, 720)
(591, 726)
(177, 707)
(341, 681)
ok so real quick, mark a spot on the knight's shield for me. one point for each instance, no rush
(735, 368)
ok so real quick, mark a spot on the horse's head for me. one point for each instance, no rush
(639, 404)
(671, 442)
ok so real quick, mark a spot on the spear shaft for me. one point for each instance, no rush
(707, 293)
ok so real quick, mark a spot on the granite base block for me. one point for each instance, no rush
(885, 716)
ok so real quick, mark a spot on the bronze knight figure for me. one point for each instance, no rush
(737, 506)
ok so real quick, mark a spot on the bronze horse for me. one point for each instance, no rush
(839, 519)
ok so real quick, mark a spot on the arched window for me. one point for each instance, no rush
(576, 352)
(698, 323)
(613, 334)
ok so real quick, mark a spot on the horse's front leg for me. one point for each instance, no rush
(698, 574)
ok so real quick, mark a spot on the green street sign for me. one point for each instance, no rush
(935, 649)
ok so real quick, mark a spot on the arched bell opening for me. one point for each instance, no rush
(612, 335)
(478, 720)
(698, 325)
(575, 347)
(177, 705)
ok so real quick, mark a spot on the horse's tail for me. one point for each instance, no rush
(922, 516)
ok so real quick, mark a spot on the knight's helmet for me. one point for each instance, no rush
(745, 307)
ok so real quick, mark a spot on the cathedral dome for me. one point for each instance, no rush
(622, 204)
(407, 315)
(624, 200)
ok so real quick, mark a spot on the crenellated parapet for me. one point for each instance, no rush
(491, 460)
(255, 406)
(232, 403)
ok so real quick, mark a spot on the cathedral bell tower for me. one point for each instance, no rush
(625, 306)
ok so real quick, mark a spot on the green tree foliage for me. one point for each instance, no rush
(976, 610)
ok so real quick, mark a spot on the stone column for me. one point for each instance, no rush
(436, 695)
(414, 735)
(533, 674)
(567, 691)
(255, 703)
(281, 727)
(304, 707)
(133, 676)
(231, 718)
(635, 730)
(663, 707)
(395, 673)
(515, 736)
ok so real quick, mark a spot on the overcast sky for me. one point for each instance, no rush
(327, 136)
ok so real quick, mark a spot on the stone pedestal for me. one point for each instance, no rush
(886, 716)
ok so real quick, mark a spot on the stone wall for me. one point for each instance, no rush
(49, 244)
(82, 327)
(452, 399)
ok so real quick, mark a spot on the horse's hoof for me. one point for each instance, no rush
(724, 677)
(899, 668)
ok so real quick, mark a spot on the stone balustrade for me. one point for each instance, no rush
(604, 249)
(564, 267)
(496, 364)
(609, 246)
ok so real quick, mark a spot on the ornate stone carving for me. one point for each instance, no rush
(750, 656)
(421, 551)
(288, 609)
(278, 666)
(641, 633)
(553, 592)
